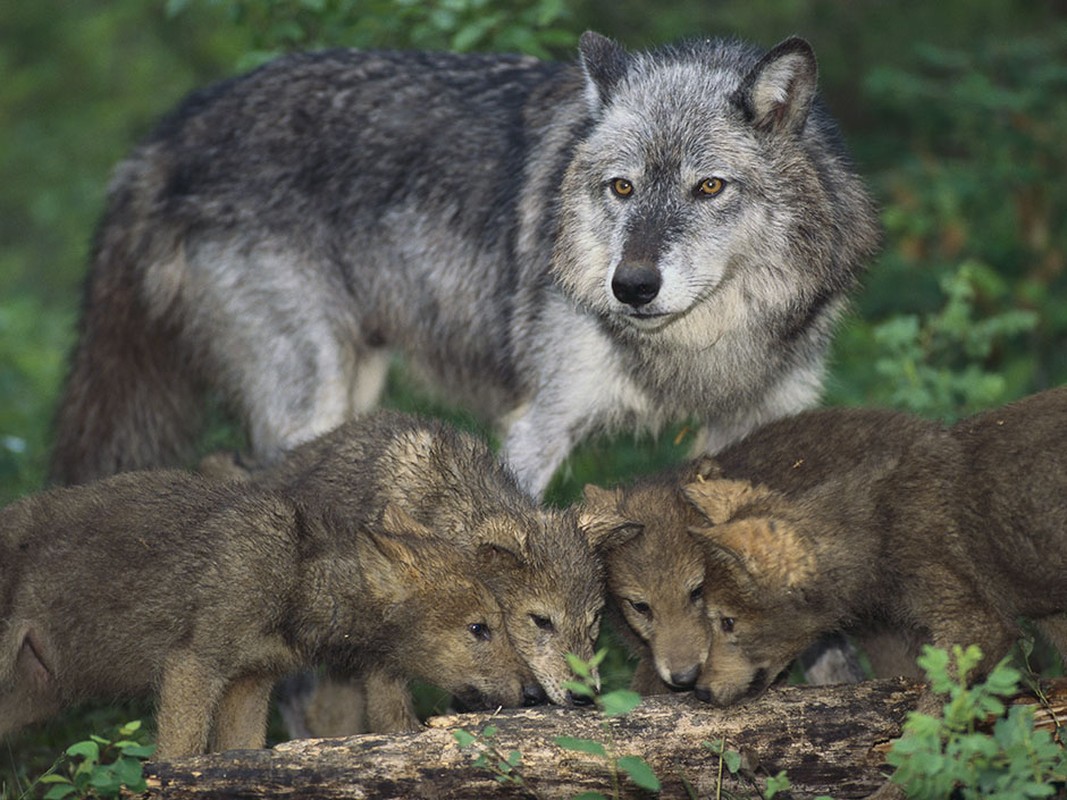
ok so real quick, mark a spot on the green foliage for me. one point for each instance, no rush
(732, 762)
(954, 756)
(99, 767)
(506, 767)
(934, 365)
(537, 27)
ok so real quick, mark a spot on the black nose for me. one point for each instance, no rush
(533, 695)
(686, 677)
(636, 284)
(703, 694)
(578, 699)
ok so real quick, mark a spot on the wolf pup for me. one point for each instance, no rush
(655, 578)
(567, 247)
(956, 536)
(541, 563)
(207, 592)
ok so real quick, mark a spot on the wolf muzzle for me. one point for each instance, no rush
(636, 285)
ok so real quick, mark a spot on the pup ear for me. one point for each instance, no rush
(769, 549)
(601, 522)
(388, 563)
(604, 63)
(504, 534)
(777, 94)
(397, 521)
(719, 500)
(705, 468)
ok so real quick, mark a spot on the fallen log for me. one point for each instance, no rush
(829, 740)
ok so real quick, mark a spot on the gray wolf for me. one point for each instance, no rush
(540, 563)
(952, 533)
(204, 593)
(563, 248)
(655, 579)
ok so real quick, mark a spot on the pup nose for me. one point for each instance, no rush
(636, 284)
(533, 695)
(686, 677)
(578, 699)
(703, 694)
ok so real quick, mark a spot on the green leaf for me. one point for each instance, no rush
(640, 772)
(139, 750)
(59, 792)
(732, 759)
(464, 738)
(776, 783)
(514, 758)
(619, 702)
(130, 728)
(579, 688)
(88, 750)
(579, 667)
(52, 777)
(589, 796)
(581, 745)
(130, 772)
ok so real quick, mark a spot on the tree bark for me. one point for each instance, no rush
(829, 740)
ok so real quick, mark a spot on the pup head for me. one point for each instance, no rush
(656, 576)
(452, 632)
(700, 156)
(759, 588)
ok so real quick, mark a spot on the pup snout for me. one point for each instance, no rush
(636, 284)
(685, 678)
(578, 699)
(533, 695)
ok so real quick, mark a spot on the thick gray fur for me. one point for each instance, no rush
(282, 233)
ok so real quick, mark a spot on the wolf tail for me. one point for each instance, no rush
(132, 398)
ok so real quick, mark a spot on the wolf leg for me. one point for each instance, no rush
(389, 706)
(241, 721)
(188, 699)
(1054, 629)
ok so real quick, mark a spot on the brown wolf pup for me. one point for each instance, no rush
(206, 592)
(955, 534)
(540, 563)
(656, 579)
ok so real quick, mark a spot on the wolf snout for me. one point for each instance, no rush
(578, 699)
(636, 285)
(685, 678)
(533, 695)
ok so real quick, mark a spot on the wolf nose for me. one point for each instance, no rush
(636, 284)
(533, 695)
(685, 678)
(578, 699)
(703, 694)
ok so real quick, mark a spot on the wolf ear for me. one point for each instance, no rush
(503, 533)
(397, 521)
(705, 468)
(601, 522)
(777, 94)
(604, 63)
(769, 549)
(719, 500)
(389, 564)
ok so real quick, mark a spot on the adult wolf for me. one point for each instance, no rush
(611, 244)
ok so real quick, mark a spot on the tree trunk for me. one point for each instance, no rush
(829, 740)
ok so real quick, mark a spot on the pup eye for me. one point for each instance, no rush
(622, 187)
(479, 630)
(709, 187)
(727, 624)
(697, 594)
(544, 623)
(641, 608)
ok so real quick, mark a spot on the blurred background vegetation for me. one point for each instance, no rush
(955, 111)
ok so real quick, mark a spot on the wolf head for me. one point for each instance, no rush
(705, 164)
(656, 578)
(453, 633)
(760, 594)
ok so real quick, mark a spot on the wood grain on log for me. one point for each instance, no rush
(829, 740)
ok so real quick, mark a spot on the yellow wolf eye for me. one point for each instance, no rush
(709, 187)
(622, 187)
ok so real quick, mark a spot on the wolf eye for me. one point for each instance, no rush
(622, 187)
(709, 187)
(697, 593)
(544, 623)
(641, 608)
(479, 630)
(727, 624)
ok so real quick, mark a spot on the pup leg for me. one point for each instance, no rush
(1054, 629)
(188, 699)
(336, 707)
(646, 681)
(241, 721)
(389, 706)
